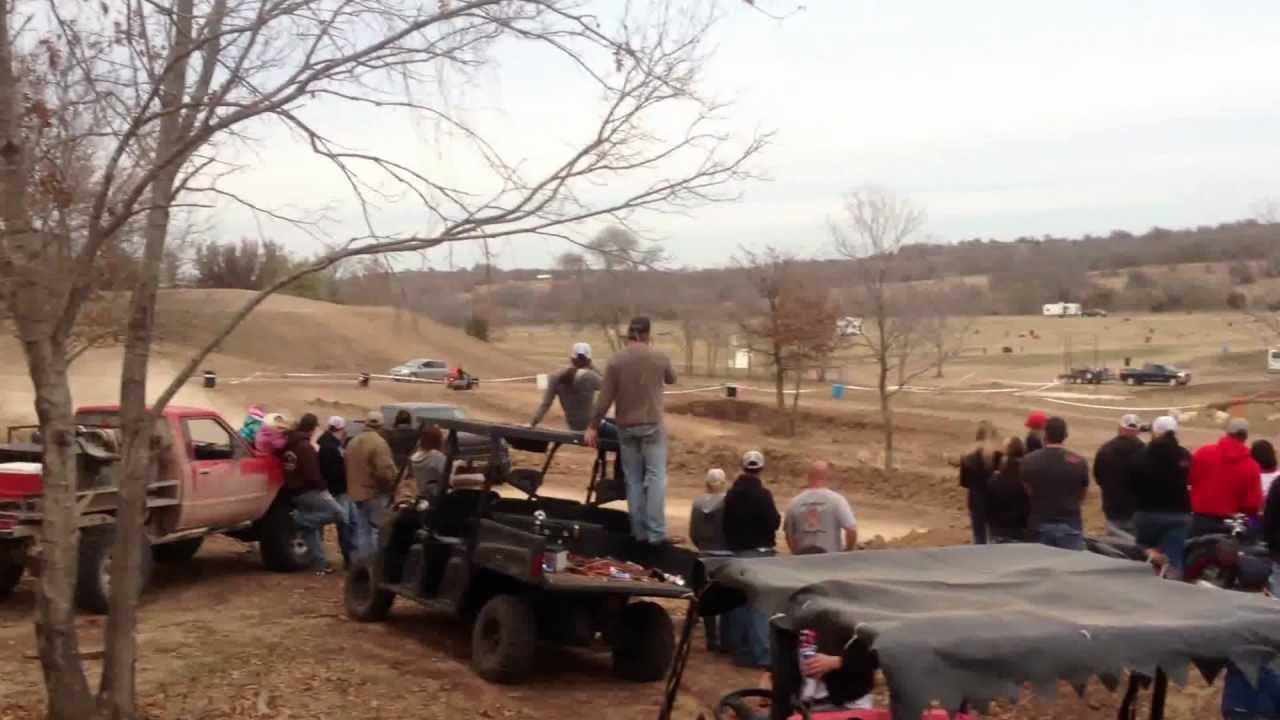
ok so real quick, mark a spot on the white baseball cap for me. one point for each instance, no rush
(1164, 424)
(337, 422)
(582, 349)
(1131, 422)
(753, 460)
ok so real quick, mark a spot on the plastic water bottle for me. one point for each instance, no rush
(808, 644)
(811, 689)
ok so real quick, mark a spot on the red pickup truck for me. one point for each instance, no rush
(207, 480)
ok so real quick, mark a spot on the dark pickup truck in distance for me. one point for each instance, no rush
(1154, 374)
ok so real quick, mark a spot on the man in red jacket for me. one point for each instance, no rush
(1225, 481)
(314, 506)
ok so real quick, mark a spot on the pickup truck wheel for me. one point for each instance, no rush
(644, 644)
(364, 600)
(10, 574)
(1173, 381)
(504, 640)
(93, 573)
(177, 552)
(280, 540)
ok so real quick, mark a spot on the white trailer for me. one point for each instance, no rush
(1063, 309)
(1273, 360)
(849, 326)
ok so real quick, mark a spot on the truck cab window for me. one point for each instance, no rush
(209, 440)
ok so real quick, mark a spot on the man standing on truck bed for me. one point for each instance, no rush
(634, 381)
(371, 478)
(576, 386)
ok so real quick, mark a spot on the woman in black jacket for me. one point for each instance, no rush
(1008, 506)
(976, 469)
(1162, 500)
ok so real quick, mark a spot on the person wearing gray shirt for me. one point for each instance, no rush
(819, 520)
(576, 386)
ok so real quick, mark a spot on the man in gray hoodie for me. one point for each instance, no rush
(706, 530)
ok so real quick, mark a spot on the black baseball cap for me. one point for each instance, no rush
(640, 325)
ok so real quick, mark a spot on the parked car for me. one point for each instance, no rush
(422, 369)
(209, 481)
(1155, 374)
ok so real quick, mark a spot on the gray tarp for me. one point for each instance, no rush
(976, 622)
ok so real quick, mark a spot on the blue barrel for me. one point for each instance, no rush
(837, 392)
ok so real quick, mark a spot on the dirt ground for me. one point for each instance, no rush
(223, 639)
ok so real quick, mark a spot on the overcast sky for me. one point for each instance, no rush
(1001, 118)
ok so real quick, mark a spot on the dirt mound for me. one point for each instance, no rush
(289, 333)
(768, 418)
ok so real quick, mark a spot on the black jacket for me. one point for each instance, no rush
(402, 439)
(1112, 467)
(332, 465)
(1008, 508)
(1159, 477)
(751, 518)
(1271, 520)
(1033, 443)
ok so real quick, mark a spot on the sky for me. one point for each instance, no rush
(1001, 118)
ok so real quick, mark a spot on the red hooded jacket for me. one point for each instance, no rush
(1225, 480)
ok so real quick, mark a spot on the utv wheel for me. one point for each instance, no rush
(93, 574)
(744, 705)
(178, 552)
(280, 539)
(365, 601)
(644, 644)
(10, 574)
(504, 640)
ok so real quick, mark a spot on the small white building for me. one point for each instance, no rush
(1063, 309)
(1273, 360)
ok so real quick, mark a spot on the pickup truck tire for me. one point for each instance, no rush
(177, 552)
(644, 643)
(280, 541)
(364, 600)
(504, 640)
(93, 572)
(1173, 382)
(10, 574)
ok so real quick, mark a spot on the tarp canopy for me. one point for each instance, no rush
(974, 623)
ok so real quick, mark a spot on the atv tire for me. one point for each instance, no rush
(644, 642)
(364, 600)
(280, 540)
(504, 640)
(93, 572)
(175, 553)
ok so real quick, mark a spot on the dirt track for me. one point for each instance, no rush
(223, 639)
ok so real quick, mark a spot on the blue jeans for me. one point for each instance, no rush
(644, 466)
(745, 632)
(1166, 532)
(1061, 535)
(1240, 700)
(368, 517)
(312, 511)
(347, 527)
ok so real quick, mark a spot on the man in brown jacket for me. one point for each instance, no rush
(371, 478)
(635, 381)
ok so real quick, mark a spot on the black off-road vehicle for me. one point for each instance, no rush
(527, 570)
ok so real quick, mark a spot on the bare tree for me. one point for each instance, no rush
(876, 226)
(941, 328)
(795, 325)
(114, 116)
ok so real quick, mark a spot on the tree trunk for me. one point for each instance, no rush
(886, 417)
(38, 308)
(65, 681)
(795, 400)
(780, 382)
(116, 693)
